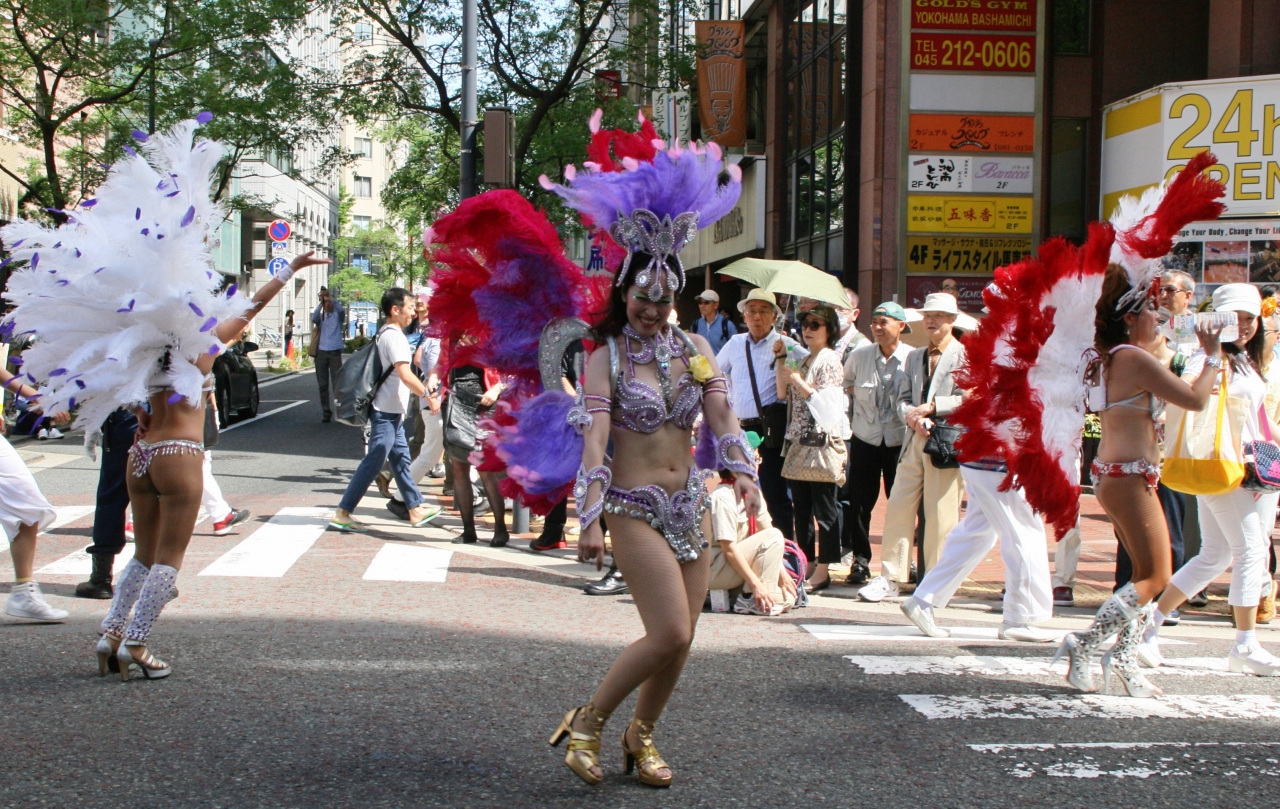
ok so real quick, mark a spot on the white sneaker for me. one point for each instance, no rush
(1149, 655)
(921, 615)
(1027, 633)
(55, 433)
(1253, 660)
(43, 435)
(26, 601)
(878, 589)
(744, 605)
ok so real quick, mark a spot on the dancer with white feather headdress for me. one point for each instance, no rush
(126, 310)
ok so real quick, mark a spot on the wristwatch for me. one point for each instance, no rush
(1214, 362)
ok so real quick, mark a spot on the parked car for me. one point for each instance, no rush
(236, 383)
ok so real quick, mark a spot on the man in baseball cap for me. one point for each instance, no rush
(713, 324)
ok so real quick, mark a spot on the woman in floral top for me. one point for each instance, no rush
(818, 501)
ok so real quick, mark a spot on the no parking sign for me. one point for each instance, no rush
(279, 230)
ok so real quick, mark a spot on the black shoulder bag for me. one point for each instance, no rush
(941, 444)
(773, 417)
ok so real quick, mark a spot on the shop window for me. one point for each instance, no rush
(1067, 171)
(1071, 27)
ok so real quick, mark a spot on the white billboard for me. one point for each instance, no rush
(978, 174)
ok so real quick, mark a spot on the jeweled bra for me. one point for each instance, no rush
(636, 405)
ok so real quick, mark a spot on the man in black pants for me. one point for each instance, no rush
(747, 359)
(112, 500)
(871, 377)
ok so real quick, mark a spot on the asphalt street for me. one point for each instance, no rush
(315, 669)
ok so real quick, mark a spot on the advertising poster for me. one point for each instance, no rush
(966, 289)
(972, 132)
(981, 174)
(963, 254)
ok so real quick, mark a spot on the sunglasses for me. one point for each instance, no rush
(1173, 290)
(813, 325)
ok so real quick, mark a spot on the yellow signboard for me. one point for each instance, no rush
(966, 214)
(964, 254)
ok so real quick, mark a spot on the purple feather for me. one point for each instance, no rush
(145, 231)
(231, 290)
(204, 118)
(129, 151)
(5, 263)
(209, 324)
(58, 372)
(71, 403)
(541, 423)
(89, 203)
(173, 193)
(100, 269)
(189, 216)
(17, 361)
(215, 350)
(78, 253)
(128, 308)
(669, 186)
(196, 309)
(175, 398)
(139, 135)
(62, 282)
(35, 260)
(704, 455)
(18, 244)
(56, 245)
(6, 329)
(80, 384)
(159, 236)
(137, 213)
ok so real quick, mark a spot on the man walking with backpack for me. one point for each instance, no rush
(386, 419)
(713, 324)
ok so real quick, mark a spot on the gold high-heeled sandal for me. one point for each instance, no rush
(647, 756)
(106, 651)
(584, 748)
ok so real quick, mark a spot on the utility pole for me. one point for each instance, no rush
(467, 152)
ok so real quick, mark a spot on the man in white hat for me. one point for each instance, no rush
(747, 359)
(712, 323)
(926, 393)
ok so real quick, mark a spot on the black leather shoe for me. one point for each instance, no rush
(499, 540)
(326, 419)
(859, 574)
(611, 585)
(466, 539)
(397, 508)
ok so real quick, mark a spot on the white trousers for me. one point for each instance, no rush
(995, 516)
(431, 452)
(215, 506)
(21, 502)
(1066, 559)
(1235, 531)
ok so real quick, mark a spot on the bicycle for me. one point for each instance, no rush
(270, 337)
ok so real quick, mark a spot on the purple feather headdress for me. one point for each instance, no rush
(654, 207)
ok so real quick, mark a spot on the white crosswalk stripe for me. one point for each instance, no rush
(270, 551)
(80, 563)
(1135, 759)
(409, 563)
(1252, 707)
(994, 666)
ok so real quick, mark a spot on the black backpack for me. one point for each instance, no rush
(358, 383)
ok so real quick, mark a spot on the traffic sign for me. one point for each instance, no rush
(279, 247)
(277, 265)
(279, 230)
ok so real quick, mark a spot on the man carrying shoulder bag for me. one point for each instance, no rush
(748, 360)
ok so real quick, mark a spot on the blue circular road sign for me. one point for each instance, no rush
(277, 265)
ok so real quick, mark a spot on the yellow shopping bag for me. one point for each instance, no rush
(1206, 455)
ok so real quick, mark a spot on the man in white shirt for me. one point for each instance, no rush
(386, 419)
(755, 396)
(872, 375)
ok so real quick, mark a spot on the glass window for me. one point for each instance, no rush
(361, 222)
(363, 186)
(1067, 171)
(364, 147)
(363, 31)
(361, 262)
(1071, 26)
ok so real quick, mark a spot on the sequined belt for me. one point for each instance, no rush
(677, 516)
(141, 454)
(1113, 469)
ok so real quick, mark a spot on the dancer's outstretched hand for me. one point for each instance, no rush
(591, 545)
(307, 259)
(749, 493)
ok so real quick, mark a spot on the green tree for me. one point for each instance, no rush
(369, 259)
(79, 75)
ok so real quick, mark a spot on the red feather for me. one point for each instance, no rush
(1191, 197)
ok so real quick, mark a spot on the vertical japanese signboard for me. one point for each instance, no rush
(722, 81)
(971, 126)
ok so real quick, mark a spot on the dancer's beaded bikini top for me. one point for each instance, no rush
(636, 406)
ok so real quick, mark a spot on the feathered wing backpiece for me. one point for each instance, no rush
(128, 279)
(1024, 367)
(1022, 372)
(1147, 226)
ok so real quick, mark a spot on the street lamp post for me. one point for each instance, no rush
(467, 154)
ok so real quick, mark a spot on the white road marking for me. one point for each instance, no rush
(268, 414)
(270, 551)
(906, 633)
(1250, 707)
(1137, 759)
(80, 563)
(280, 379)
(50, 460)
(991, 666)
(408, 563)
(66, 514)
